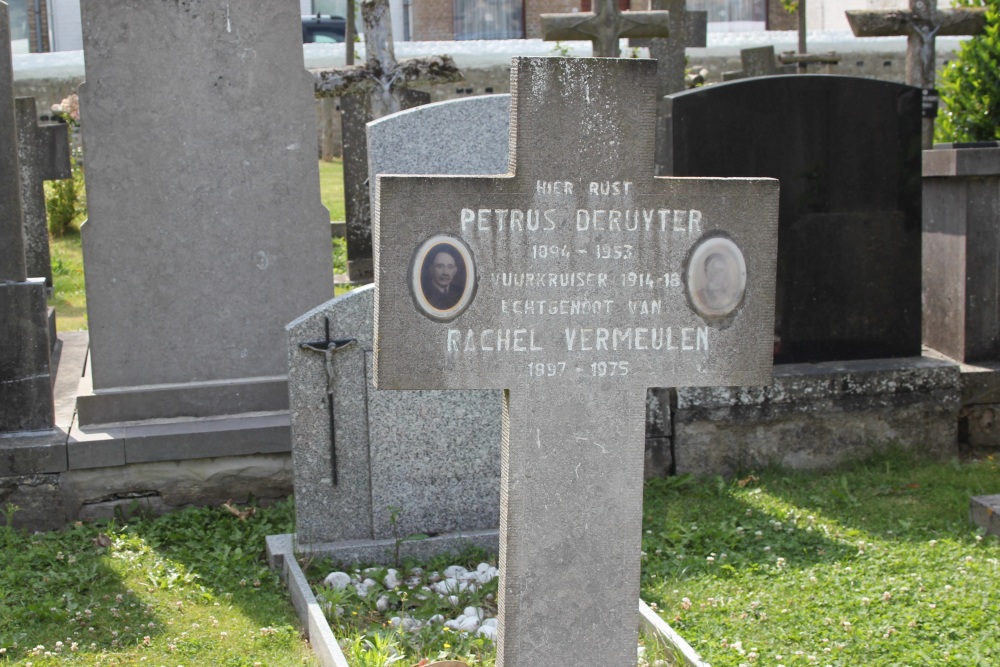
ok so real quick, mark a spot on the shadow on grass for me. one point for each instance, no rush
(58, 587)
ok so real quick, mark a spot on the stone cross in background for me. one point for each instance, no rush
(25, 363)
(574, 284)
(605, 26)
(43, 152)
(921, 24)
(688, 29)
(379, 87)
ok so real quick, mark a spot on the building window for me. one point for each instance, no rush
(489, 19)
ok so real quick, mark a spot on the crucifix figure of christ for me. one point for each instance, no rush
(921, 24)
(575, 282)
(378, 88)
(605, 26)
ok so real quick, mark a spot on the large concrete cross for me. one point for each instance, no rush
(575, 282)
(378, 88)
(921, 24)
(43, 151)
(605, 26)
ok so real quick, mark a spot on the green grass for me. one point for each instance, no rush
(331, 185)
(875, 565)
(190, 588)
(69, 296)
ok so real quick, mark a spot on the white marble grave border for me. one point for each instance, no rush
(281, 556)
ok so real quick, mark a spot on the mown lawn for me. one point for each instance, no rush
(874, 565)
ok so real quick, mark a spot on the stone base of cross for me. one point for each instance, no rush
(574, 283)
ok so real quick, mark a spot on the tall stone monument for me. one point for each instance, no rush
(206, 232)
(574, 283)
(25, 363)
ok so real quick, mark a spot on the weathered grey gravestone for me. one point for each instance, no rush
(605, 26)
(25, 364)
(847, 152)
(43, 151)
(379, 87)
(574, 283)
(197, 253)
(921, 24)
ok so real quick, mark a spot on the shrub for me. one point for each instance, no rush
(970, 86)
(65, 203)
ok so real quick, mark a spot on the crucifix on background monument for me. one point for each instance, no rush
(574, 283)
(605, 26)
(378, 88)
(921, 24)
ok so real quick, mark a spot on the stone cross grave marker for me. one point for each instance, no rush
(574, 283)
(378, 88)
(921, 24)
(605, 26)
(43, 151)
(688, 29)
(25, 365)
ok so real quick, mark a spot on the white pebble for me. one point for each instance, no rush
(488, 631)
(338, 581)
(455, 571)
(436, 619)
(391, 579)
(382, 603)
(453, 600)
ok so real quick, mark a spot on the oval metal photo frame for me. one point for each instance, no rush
(716, 277)
(421, 284)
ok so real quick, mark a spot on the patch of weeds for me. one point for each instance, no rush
(872, 564)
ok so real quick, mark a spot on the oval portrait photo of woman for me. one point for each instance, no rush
(716, 277)
(442, 277)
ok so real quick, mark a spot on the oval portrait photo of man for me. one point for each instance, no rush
(442, 277)
(716, 277)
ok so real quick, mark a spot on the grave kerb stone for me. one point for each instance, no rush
(576, 382)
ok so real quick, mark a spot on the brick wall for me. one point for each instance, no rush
(434, 19)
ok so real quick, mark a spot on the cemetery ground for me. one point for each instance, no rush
(69, 296)
(875, 563)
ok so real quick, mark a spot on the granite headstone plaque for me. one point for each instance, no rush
(847, 152)
(574, 282)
